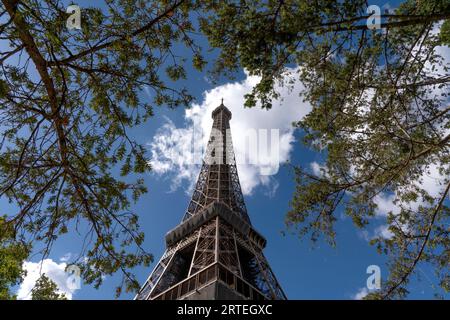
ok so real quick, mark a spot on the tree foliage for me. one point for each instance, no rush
(67, 100)
(12, 254)
(380, 114)
(46, 289)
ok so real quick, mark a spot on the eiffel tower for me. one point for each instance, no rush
(214, 253)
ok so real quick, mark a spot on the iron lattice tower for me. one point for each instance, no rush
(214, 253)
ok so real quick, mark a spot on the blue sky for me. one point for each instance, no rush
(304, 270)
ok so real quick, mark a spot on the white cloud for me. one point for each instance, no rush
(383, 231)
(171, 153)
(360, 294)
(385, 204)
(66, 257)
(318, 169)
(53, 270)
(175, 154)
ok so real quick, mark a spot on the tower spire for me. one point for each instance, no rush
(214, 253)
(218, 180)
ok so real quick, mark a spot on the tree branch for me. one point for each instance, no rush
(422, 248)
(113, 42)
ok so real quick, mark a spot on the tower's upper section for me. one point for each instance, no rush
(218, 180)
(221, 111)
